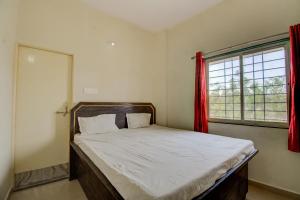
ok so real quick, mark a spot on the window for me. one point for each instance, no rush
(249, 87)
(224, 89)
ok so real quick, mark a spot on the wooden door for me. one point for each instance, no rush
(44, 93)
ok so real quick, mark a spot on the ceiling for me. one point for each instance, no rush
(153, 15)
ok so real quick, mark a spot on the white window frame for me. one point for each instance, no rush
(240, 53)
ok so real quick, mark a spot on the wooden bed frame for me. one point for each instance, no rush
(232, 186)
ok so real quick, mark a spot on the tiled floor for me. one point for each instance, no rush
(257, 193)
(65, 190)
(61, 190)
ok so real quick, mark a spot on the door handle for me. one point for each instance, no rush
(63, 113)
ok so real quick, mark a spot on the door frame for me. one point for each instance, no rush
(15, 81)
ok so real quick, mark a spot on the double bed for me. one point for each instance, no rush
(155, 162)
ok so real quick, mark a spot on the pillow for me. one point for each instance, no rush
(98, 124)
(138, 120)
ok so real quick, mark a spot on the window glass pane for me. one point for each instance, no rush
(214, 80)
(248, 82)
(229, 79)
(274, 64)
(228, 71)
(277, 107)
(249, 115)
(248, 76)
(236, 92)
(237, 100)
(224, 88)
(259, 115)
(259, 90)
(229, 93)
(229, 114)
(249, 91)
(247, 60)
(276, 116)
(215, 93)
(258, 58)
(216, 65)
(229, 106)
(237, 115)
(237, 107)
(248, 99)
(229, 99)
(258, 66)
(258, 74)
(217, 86)
(274, 72)
(236, 71)
(249, 107)
(275, 80)
(216, 73)
(274, 54)
(228, 64)
(265, 88)
(236, 62)
(217, 113)
(275, 89)
(259, 99)
(236, 77)
(248, 68)
(217, 106)
(216, 99)
(259, 106)
(259, 82)
(275, 98)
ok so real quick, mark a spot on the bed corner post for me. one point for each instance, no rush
(72, 167)
(73, 155)
(72, 162)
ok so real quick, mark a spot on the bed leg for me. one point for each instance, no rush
(73, 170)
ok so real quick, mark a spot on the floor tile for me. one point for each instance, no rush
(71, 190)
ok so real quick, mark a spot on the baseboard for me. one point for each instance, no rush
(277, 190)
(8, 193)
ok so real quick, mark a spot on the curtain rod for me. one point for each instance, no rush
(262, 40)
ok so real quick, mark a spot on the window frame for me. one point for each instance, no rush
(283, 43)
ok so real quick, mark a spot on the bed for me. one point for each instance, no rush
(155, 162)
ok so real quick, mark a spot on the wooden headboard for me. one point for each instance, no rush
(90, 109)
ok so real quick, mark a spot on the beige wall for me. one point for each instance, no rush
(230, 23)
(133, 70)
(8, 19)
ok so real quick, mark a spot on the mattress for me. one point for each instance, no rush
(162, 163)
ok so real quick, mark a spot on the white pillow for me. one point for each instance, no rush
(98, 124)
(138, 120)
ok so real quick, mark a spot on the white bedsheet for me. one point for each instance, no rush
(163, 163)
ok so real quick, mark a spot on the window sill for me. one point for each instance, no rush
(280, 125)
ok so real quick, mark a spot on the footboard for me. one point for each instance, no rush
(93, 182)
(232, 186)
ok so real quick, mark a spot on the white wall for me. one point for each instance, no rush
(133, 70)
(8, 19)
(229, 23)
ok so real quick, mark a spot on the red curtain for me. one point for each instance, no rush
(200, 120)
(294, 130)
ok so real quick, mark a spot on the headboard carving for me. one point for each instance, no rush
(90, 109)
